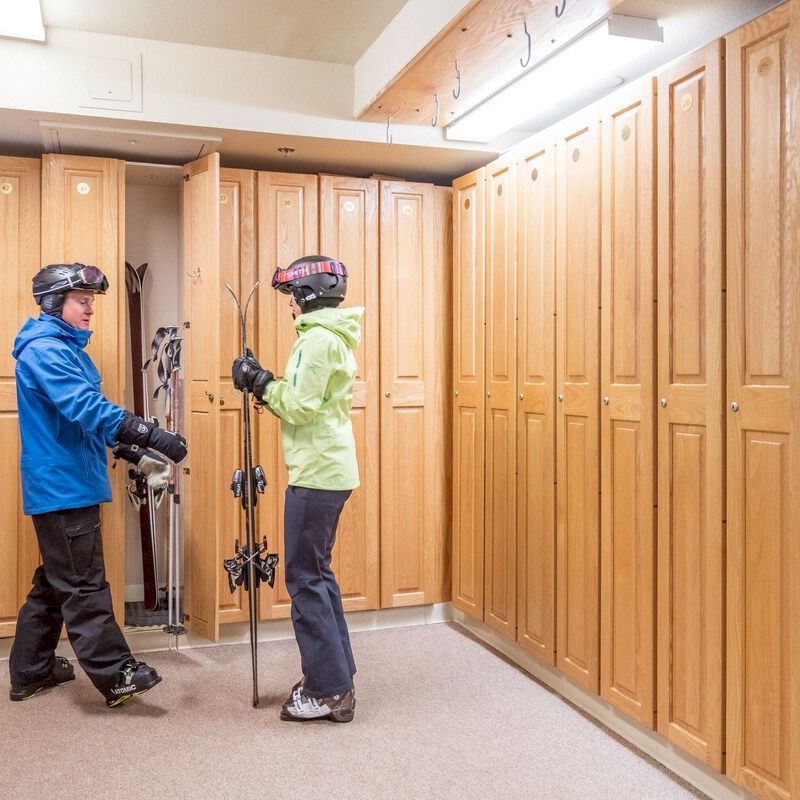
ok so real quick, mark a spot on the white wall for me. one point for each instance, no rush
(197, 86)
(152, 234)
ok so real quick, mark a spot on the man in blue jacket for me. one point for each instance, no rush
(65, 426)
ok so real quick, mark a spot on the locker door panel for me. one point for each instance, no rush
(690, 425)
(578, 300)
(287, 230)
(760, 317)
(83, 219)
(349, 233)
(500, 592)
(536, 352)
(415, 294)
(627, 675)
(20, 200)
(468, 393)
(204, 512)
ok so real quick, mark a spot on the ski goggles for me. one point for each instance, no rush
(290, 274)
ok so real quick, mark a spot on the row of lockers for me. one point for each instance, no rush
(625, 346)
(395, 238)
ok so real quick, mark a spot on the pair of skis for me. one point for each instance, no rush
(165, 355)
(252, 564)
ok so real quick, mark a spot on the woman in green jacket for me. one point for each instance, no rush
(313, 402)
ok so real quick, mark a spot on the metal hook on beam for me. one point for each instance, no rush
(563, 8)
(527, 61)
(457, 92)
(435, 120)
(389, 139)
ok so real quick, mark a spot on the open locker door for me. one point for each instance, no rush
(204, 483)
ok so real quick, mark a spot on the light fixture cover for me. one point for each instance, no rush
(597, 54)
(21, 19)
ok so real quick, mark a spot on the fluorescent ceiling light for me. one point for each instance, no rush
(21, 19)
(598, 53)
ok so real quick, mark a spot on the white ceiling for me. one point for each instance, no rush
(336, 31)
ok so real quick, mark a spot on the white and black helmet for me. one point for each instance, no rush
(314, 281)
(51, 284)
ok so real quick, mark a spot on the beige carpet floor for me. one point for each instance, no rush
(439, 715)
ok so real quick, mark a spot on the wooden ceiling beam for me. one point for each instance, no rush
(488, 41)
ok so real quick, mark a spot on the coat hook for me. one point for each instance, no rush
(435, 120)
(457, 92)
(527, 61)
(563, 8)
(389, 139)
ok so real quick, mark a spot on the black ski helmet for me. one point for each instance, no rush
(311, 279)
(51, 284)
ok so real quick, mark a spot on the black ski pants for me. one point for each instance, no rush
(309, 530)
(69, 587)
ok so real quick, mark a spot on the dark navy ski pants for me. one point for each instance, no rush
(310, 520)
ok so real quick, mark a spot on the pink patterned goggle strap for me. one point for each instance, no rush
(282, 276)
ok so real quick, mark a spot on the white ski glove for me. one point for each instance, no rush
(155, 469)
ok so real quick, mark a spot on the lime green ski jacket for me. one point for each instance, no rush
(314, 397)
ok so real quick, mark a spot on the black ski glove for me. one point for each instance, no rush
(135, 430)
(248, 374)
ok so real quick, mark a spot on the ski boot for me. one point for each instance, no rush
(134, 678)
(63, 672)
(300, 707)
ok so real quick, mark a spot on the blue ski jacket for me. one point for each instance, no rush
(65, 422)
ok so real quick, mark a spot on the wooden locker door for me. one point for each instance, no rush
(536, 356)
(414, 320)
(237, 268)
(83, 219)
(577, 381)
(287, 230)
(762, 272)
(690, 425)
(500, 592)
(793, 229)
(627, 424)
(204, 483)
(20, 201)
(349, 233)
(469, 319)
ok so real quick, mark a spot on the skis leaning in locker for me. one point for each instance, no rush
(252, 562)
(139, 493)
(165, 355)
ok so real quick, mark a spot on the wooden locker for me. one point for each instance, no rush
(536, 356)
(500, 592)
(287, 230)
(762, 273)
(793, 246)
(469, 319)
(348, 231)
(627, 411)
(237, 266)
(415, 297)
(83, 219)
(205, 507)
(20, 201)
(691, 497)
(577, 381)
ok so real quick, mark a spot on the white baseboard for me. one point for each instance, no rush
(148, 640)
(673, 758)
